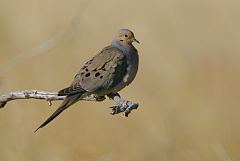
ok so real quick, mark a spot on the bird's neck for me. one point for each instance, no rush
(126, 48)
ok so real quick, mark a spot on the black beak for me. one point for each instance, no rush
(135, 40)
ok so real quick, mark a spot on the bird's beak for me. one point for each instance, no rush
(135, 40)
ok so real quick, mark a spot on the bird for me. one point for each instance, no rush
(108, 72)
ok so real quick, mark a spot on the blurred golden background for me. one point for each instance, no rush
(187, 85)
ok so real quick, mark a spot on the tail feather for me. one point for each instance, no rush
(68, 101)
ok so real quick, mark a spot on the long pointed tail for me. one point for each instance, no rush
(68, 101)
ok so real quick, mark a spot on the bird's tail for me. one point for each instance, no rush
(68, 101)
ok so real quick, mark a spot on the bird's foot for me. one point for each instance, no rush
(112, 95)
(99, 98)
(124, 106)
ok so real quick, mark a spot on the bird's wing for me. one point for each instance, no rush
(74, 88)
(104, 71)
(101, 73)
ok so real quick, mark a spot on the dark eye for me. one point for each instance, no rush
(126, 35)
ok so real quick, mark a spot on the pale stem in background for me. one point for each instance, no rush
(47, 45)
(221, 152)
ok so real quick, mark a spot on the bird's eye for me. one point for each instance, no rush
(126, 35)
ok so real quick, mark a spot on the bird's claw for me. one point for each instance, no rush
(116, 110)
(125, 107)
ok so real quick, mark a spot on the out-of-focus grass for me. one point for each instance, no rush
(187, 85)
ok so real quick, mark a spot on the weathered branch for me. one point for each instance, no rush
(35, 94)
(121, 105)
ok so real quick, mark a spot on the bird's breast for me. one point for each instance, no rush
(132, 68)
(131, 71)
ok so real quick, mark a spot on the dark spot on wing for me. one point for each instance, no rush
(97, 74)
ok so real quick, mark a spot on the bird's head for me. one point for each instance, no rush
(125, 37)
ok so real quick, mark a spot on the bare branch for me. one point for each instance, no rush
(121, 105)
(36, 94)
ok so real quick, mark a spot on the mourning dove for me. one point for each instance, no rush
(108, 72)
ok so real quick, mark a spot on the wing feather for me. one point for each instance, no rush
(101, 73)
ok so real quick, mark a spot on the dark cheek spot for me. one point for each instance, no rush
(97, 74)
(82, 73)
(86, 69)
(101, 77)
(87, 75)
